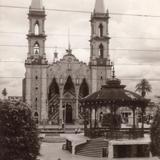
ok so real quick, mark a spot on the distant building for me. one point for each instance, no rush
(53, 90)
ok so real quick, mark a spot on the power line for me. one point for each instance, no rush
(84, 12)
(50, 34)
(120, 78)
(82, 35)
(142, 38)
(136, 50)
(112, 49)
(116, 64)
(136, 15)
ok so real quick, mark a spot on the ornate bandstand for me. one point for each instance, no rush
(114, 138)
(113, 98)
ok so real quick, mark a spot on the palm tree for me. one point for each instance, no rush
(143, 87)
(4, 93)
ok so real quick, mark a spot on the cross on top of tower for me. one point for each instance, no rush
(36, 5)
(69, 50)
(99, 6)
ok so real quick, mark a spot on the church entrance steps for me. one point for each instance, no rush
(81, 145)
(93, 148)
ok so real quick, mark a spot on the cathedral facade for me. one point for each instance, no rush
(53, 90)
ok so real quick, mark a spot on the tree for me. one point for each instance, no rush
(4, 93)
(155, 132)
(18, 132)
(143, 87)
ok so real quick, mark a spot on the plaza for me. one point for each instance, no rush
(53, 151)
(82, 108)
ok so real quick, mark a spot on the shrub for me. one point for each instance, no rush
(18, 132)
(155, 135)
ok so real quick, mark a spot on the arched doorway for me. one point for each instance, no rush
(83, 92)
(69, 114)
(69, 103)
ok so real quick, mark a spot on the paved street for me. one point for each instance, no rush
(53, 151)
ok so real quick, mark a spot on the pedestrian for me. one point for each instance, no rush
(76, 130)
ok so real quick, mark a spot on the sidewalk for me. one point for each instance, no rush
(53, 151)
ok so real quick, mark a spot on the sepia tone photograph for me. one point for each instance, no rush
(79, 79)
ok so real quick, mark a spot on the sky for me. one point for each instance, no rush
(126, 32)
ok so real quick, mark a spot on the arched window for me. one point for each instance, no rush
(35, 114)
(36, 28)
(53, 89)
(101, 51)
(36, 117)
(69, 86)
(36, 48)
(84, 89)
(101, 30)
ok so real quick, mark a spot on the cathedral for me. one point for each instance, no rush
(54, 90)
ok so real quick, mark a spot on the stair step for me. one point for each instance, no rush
(91, 155)
(98, 150)
(93, 148)
(97, 145)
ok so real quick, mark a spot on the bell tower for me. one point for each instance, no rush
(100, 64)
(36, 36)
(35, 88)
